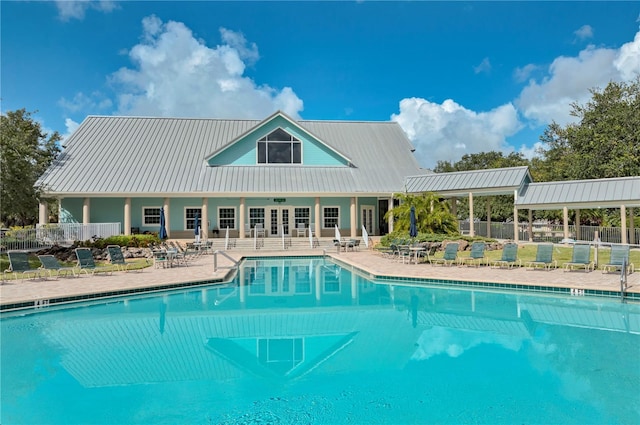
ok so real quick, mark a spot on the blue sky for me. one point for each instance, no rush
(459, 77)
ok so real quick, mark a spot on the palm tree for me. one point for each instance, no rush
(432, 214)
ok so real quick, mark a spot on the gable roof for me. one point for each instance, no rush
(595, 193)
(135, 156)
(495, 181)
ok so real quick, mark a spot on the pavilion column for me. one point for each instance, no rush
(205, 218)
(530, 227)
(578, 232)
(565, 222)
(43, 213)
(472, 231)
(318, 223)
(86, 211)
(516, 233)
(167, 218)
(354, 217)
(60, 209)
(632, 229)
(242, 218)
(127, 216)
(389, 209)
(454, 211)
(623, 223)
(488, 217)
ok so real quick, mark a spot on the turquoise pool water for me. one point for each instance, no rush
(296, 341)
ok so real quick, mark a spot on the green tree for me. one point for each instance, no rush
(432, 214)
(25, 153)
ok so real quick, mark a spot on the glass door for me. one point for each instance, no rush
(367, 218)
(280, 219)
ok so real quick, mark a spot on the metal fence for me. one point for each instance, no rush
(47, 235)
(550, 232)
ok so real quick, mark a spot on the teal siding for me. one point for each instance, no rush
(71, 210)
(137, 205)
(107, 210)
(243, 152)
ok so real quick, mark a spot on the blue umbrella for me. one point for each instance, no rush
(413, 229)
(163, 230)
(196, 227)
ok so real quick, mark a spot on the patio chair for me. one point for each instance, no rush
(544, 258)
(51, 265)
(580, 259)
(301, 230)
(19, 265)
(117, 259)
(619, 255)
(87, 264)
(259, 230)
(160, 258)
(476, 256)
(509, 257)
(450, 255)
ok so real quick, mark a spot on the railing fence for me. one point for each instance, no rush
(47, 235)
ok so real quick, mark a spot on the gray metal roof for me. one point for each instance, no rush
(109, 156)
(581, 194)
(496, 181)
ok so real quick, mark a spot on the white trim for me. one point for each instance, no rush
(184, 217)
(235, 218)
(144, 223)
(323, 208)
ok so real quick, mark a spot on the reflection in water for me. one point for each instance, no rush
(290, 334)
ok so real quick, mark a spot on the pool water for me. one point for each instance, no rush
(297, 341)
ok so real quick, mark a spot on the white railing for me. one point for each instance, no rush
(47, 235)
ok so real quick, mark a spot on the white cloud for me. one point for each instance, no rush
(484, 66)
(70, 126)
(584, 32)
(76, 9)
(627, 63)
(523, 74)
(95, 102)
(175, 74)
(447, 131)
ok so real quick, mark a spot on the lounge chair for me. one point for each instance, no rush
(51, 265)
(450, 255)
(509, 256)
(161, 258)
(581, 258)
(117, 259)
(619, 255)
(544, 258)
(19, 264)
(476, 255)
(300, 230)
(87, 264)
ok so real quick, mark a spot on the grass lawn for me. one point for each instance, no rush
(34, 262)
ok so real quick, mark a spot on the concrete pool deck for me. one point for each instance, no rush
(201, 270)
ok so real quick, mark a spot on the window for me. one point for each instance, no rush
(330, 217)
(226, 218)
(150, 216)
(302, 216)
(279, 147)
(256, 215)
(190, 218)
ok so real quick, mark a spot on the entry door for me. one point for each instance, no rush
(367, 218)
(280, 218)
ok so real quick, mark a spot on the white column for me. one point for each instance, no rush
(205, 218)
(167, 218)
(472, 231)
(489, 217)
(565, 222)
(389, 208)
(60, 209)
(242, 218)
(127, 216)
(354, 217)
(318, 218)
(577, 223)
(86, 211)
(530, 226)
(516, 235)
(43, 213)
(632, 229)
(623, 222)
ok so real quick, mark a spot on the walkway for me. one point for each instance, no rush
(202, 270)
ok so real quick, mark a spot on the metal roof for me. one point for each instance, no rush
(581, 194)
(496, 181)
(109, 156)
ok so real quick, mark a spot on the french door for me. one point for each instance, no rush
(280, 220)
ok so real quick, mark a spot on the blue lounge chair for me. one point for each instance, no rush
(87, 264)
(619, 255)
(19, 265)
(580, 259)
(476, 255)
(117, 259)
(509, 256)
(544, 258)
(450, 255)
(51, 265)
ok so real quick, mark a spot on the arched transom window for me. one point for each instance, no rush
(279, 147)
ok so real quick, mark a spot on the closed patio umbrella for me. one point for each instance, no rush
(196, 227)
(413, 228)
(162, 234)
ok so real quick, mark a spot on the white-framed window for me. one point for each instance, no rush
(279, 147)
(302, 215)
(150, 216)
(256, 216)
(226, 218)
(330, 217)
(190, 218)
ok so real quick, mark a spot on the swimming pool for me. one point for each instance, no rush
(307, 341)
